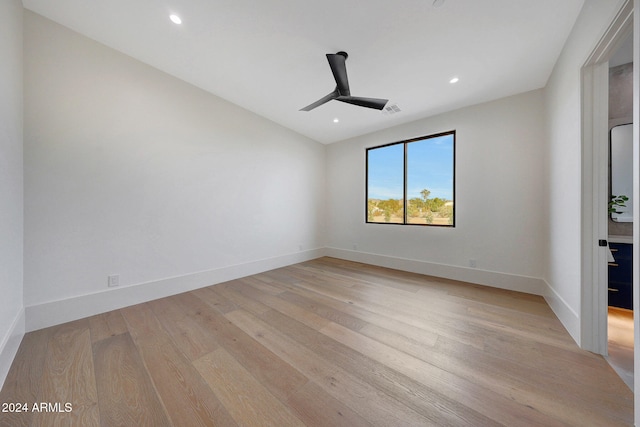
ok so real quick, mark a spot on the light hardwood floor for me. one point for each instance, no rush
(323, 343)
(620, 330)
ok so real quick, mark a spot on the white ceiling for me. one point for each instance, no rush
(268, 56)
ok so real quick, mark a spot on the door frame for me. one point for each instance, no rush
(595, 180)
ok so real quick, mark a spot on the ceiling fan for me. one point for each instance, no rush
(342, 92)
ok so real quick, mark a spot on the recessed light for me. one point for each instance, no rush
(336, 120)
(175, 19)
(454, 80)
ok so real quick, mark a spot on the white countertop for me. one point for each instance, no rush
(621, 239)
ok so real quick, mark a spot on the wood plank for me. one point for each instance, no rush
(281, 275)
(188, 399)
(415, 333)
(500, 399)
(107, 325)
(248, 402)
(485, 368)
(397, 340)
(264, 286)
(301, 314)
(425, 400)
(358, 273)
(318, 408)
(415, 349)
(431, 298)
(322, 310)
(217, 301)
(68, 377)
(228, 291)
(371, 404)
(383, 335)
(280, 378)
(431, 323)
(125, 392)
(24, 380)
(522, 325)
(178, 319)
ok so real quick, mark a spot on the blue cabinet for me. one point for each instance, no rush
(621, 276)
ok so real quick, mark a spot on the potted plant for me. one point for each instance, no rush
(617, 202)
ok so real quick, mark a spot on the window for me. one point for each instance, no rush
(412, 182)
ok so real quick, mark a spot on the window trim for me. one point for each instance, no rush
(406, 142)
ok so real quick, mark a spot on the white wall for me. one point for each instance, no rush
(500, 199)
(564, 139)
(11, 183)
(132, 172)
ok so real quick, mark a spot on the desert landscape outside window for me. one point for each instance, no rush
(412, 182)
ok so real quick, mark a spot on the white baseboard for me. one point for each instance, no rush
(530, 285)
(9, 345)
(56, 312)
(567, 316)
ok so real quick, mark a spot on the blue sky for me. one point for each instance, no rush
(429, 164)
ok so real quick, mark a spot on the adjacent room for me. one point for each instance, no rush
(318, 213)
(620, 223)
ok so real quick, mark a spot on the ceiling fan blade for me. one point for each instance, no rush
(375, 103)
(319, 102)
(337, 62)
(339, 70)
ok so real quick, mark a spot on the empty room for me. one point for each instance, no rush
(336, 213)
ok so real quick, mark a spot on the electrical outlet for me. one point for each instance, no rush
(113, 280)
(355, 247)
(472, 263)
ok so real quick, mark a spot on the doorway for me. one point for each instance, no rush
(620, 216)
(595, 182)
(595, 197)
(596, 192)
